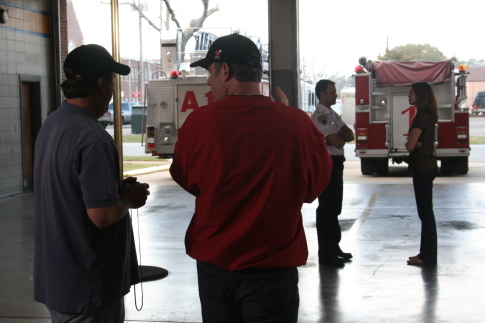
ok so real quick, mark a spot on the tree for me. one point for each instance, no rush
(412, 52)
(474, 62)
(193, 26)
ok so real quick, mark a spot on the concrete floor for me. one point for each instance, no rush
(381, 229)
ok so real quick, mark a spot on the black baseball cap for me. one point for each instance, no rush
(90, 62)
(233, 48)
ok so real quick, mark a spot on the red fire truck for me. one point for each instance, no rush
(383, 115)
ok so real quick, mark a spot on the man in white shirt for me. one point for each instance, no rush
(336, 133)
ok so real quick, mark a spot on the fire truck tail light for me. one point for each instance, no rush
(462, 132)
(361, 133)
(151, 143)
(462, 144)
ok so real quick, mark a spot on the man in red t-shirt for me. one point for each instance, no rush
(251, 163)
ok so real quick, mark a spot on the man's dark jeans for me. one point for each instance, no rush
(250, 295)
(423, 191)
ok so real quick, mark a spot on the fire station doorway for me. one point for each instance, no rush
(30, 112)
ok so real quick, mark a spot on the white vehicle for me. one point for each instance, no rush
(347, 98)
(169, 103)
(171, 100)
(307, 99)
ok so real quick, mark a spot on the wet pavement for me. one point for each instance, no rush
(380, 227)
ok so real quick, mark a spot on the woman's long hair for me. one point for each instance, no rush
(425, 98)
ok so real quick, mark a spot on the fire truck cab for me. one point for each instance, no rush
(383, 114)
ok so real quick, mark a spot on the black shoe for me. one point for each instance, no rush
(334, 261)
(346, 255)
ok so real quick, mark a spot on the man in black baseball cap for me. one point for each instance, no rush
(89, 68)
(266, 159)
(238, 58)
(233, 48)
(84, 259)
(89, 62)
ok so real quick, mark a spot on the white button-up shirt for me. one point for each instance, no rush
(328, 122)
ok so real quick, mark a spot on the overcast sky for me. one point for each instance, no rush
(333, 34)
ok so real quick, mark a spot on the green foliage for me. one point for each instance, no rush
(127, 167)
(132, 138)
(145, 159)
(139, 162)
(475, 62)
(411, 52)
(477, 140)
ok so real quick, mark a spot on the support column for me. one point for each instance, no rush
(284, 47)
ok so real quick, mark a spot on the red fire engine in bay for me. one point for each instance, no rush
(383, 114)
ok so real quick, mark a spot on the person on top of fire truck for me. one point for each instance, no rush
(423, 164)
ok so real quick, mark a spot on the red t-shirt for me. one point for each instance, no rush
(251, 163)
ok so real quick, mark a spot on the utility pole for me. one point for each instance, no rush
(141, 81)
(164, 26)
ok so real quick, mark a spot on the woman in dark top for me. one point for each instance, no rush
(422, 162)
